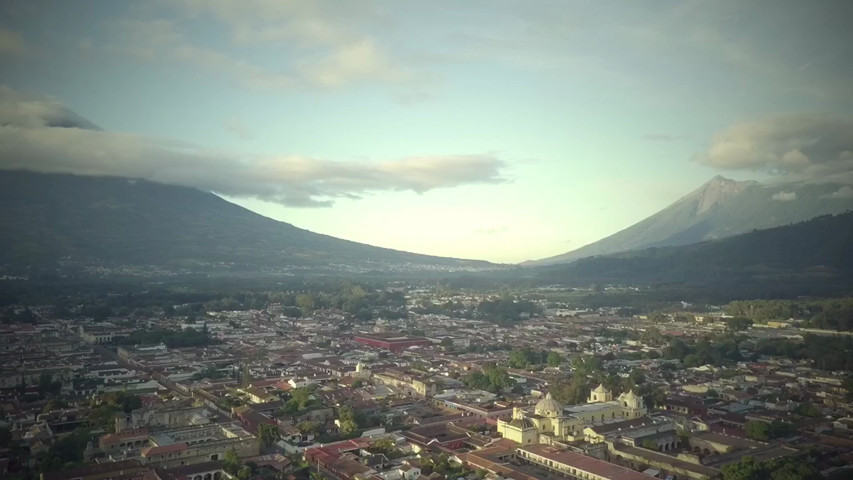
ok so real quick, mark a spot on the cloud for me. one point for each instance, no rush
(784, 196)
(42, 135)
(844, 192)
(239, 129)
(315, 44)
(800, 147)
(11, 43)
(663, 137)
(34, 111)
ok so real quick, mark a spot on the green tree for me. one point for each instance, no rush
(746, 469)
(757, 430)
(571, 393)
(738, 323)
(55, 404)
(383, 445)
(554, 359)
(268, 435)
(306, 302)
(347, 419)
(244, 473)
(231, 462)
(307, 427)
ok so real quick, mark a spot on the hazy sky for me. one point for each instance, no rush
(495, 130)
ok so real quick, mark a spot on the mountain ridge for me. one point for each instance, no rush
(719, 208)
(815, 250)
(53, 219)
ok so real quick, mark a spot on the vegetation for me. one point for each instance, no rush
(506, 310)
(492, 378)
(571, 393)
(300, 401)
(714, 351)
(554, 359)
(527, 357)
(268, 435)
(107, 405)
(66, 452)
(764, 431)
(827, 313)
(348, 421)
(826, 353)
(782, 469)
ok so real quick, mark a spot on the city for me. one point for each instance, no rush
(430, 383)
(426, 240)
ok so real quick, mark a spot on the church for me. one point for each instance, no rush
(550, 421)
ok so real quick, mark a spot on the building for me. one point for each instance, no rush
(575, 465)
(550, 421)
(183, 446)
(162, 416)
(392, 342)
(412, 384)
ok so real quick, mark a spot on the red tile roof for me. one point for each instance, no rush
(587, 464)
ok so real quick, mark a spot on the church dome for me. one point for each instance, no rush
(548, 407)
(521, 423)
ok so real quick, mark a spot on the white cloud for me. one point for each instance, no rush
(42, 135)
(843, 192)
(316, 44)
(801, 147)
(784, 196)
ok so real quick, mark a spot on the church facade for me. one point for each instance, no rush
(550, 421)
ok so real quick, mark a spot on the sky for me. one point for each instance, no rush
(496, 130)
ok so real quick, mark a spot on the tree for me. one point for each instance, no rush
(244, 473)
(306, 302)
(231, 462)
(650, 444)
(554, 359)
(746, 469)
(738, 323)
(757, 430)
(307, 427)
(383, 445)
(347, 419)
(793, 469)
(55, 404)
(807, 410)
(572, 393)
(268, 435)
(446, 342)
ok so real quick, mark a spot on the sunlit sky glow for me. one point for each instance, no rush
(493, 130)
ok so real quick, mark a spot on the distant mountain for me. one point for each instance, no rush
(804, 255)
(718, 209)
(49, 220)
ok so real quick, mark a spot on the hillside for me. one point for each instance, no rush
(48, 220)
(718, 209)
(812, 252)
